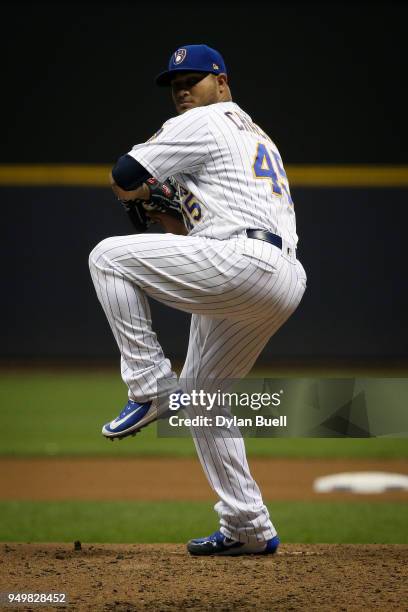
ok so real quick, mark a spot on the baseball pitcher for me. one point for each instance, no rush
(216, 182)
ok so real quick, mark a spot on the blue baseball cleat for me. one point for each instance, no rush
(218, 544)
(133, 417)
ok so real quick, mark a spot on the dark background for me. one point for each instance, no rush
(327, 82)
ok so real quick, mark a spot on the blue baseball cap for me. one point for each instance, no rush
(192, 58)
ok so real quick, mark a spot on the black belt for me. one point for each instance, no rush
(264, 235)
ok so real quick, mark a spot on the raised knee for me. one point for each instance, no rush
(100, 255)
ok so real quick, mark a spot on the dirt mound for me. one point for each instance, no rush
(164, 577)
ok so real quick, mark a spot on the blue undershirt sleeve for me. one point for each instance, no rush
(128, 173)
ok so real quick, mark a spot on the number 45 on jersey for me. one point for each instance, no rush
(268, 165)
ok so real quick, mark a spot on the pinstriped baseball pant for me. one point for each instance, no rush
(239, 291)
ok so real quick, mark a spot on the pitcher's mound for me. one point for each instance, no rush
(161, 577)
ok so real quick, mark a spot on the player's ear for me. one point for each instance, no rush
(222, 81)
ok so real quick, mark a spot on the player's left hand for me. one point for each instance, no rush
(163, 206)
(163, 198)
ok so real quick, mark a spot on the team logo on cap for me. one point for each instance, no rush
(180, 56)
(216, 67)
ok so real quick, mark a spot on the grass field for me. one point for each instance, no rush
(127, 522)
(61, 413)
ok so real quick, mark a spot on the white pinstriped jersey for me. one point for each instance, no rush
(239, 291)
(230, 172)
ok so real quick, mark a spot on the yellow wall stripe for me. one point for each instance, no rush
(348, 176)
(51, 175)
(69, 175)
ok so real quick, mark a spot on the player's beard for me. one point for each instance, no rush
(210, 96)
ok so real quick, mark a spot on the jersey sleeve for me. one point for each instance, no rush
(180, 146)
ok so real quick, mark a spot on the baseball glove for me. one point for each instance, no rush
(164, 198)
